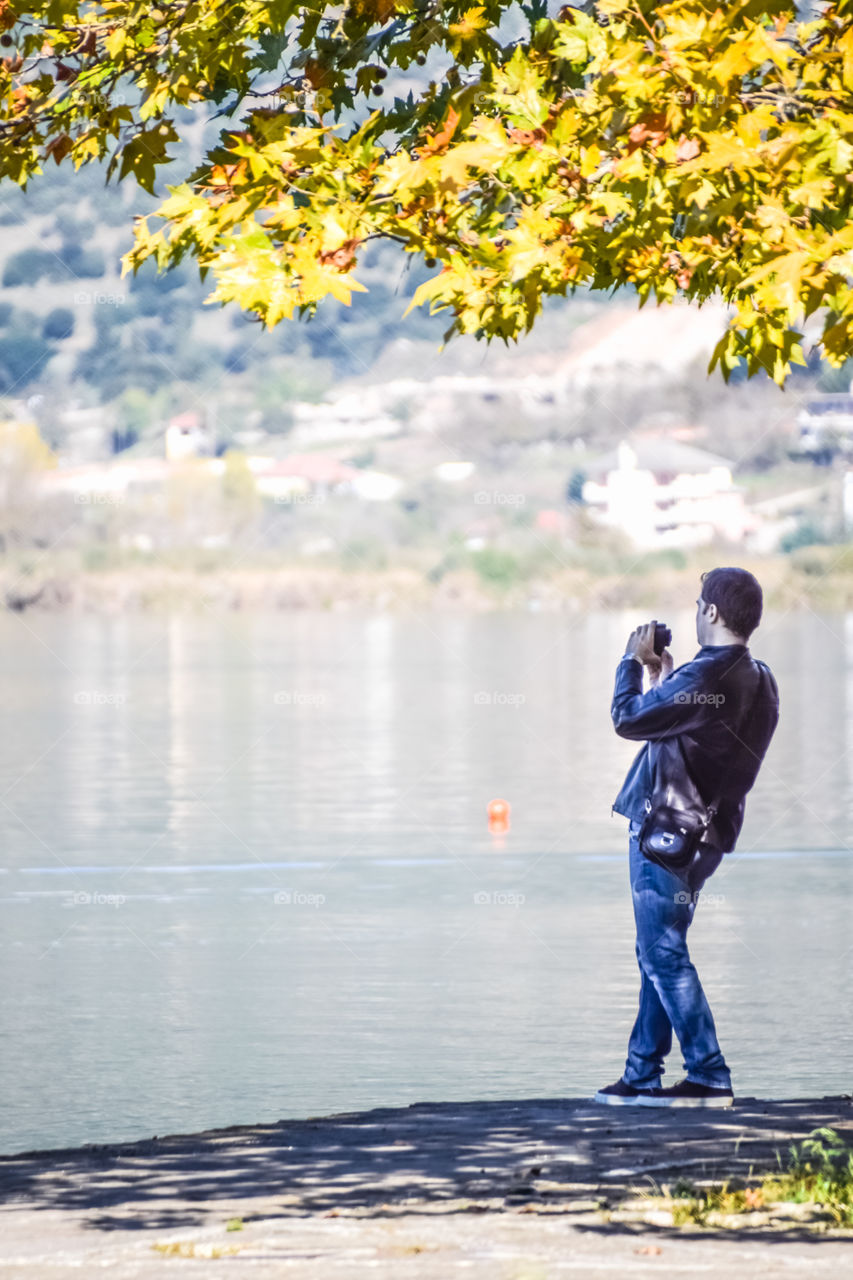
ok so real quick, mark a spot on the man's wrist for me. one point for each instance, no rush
(632, 655)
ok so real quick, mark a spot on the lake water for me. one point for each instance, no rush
(247, 874)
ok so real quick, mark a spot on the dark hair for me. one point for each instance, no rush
(737, 595)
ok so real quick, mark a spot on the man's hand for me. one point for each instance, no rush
(641, 643)
(665, 665)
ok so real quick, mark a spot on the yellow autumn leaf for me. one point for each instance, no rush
(812, 194)
(335, 233)
(471, 22)
(316, 281)
(722, 150)
(740, 57)
(115, 41)
(590, 160)
(845, 46)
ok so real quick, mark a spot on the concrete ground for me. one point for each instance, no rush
(516, 1190)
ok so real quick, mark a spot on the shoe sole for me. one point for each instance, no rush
(726, 1101)
(615, 1100)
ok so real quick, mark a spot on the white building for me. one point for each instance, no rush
(662, 493)
(825, 425)
(187, 437)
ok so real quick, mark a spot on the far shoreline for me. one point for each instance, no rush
(818, 578)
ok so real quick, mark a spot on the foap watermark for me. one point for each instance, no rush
(299, 499)
(99, 698)
(299, 698)
(298, 898)
(700, 98)
(98, 499)
(296, 97)
(484, 101)
(498, 898)
(95, 100)
(81, 898)
(90, 298)
(702, 699)
(710, 899)
(498, 699)
(497, 498)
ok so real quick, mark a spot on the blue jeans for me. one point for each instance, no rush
(671, 995)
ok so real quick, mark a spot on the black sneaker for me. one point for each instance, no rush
(687, 1093)
(621, 1094)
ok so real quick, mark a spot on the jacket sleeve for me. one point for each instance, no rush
(669, 708)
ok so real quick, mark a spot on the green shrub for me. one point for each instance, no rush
(496, 568)
(808, 533)
(364, 554)
(819, 1171)
(819, 560)
(667, 558)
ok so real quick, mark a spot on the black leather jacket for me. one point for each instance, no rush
(706, 728)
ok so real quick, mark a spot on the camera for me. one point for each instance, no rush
(663, 637)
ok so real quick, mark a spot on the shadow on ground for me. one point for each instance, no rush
(543, 1155)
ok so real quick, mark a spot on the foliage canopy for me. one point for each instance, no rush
(686, 149)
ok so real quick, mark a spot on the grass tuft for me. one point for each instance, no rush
(819, 1171)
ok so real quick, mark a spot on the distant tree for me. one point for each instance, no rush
(574, 489)
(808, 533)
(123, 438)
(840, 379)
(23, 458)
(137, 411)
(27, 267)
(71, 228)
(58, 324)
(239, 492)
(79, 261)
(23, 356)
(110, 368)
(70, 261)
(13, 209)
(194, 505)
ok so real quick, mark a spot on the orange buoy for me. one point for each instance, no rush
(498, 811)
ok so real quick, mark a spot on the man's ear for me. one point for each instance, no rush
(712, 613)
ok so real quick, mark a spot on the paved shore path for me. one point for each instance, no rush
(514, 1190)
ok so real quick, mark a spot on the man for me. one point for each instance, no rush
(706, 726)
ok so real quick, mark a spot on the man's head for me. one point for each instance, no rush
(729, 607)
